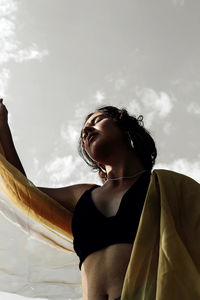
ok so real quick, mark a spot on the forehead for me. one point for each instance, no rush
(92, 117)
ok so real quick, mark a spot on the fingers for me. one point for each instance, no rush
(2, 105)
(1, 102)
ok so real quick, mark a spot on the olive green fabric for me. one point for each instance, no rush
(165, 260)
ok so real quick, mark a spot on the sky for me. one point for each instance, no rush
(61, 60)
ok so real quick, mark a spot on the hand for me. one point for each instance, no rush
(3, 114)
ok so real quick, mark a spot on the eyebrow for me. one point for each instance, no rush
(91, 122)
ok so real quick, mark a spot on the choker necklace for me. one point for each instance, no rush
(127, 176)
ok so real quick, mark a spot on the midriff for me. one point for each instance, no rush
(103, 272)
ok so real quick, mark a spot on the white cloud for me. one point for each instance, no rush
(61, 168)
(193, 108)
(30, 53)
(70, 134)
(65, 171)
(7, 7)
(148, 119)
(134, 108)
(99, 96)
(183, 166)
(152, 104)
(10, 46)
(158, 102)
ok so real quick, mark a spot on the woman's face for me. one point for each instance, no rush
(106, 139)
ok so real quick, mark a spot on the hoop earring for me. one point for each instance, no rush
(130, 140)
(103, 170)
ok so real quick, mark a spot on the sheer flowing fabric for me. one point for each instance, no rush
(36, 243)
(36, 246)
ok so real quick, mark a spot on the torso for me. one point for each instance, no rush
(103, 272)
(107, 282)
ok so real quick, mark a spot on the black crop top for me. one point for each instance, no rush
(93, 231)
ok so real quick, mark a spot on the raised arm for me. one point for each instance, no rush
(66, 196)
(7, 141)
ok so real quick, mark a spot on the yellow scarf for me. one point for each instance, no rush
(165, 260)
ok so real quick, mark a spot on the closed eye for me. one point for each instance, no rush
(94, 121)
(97, 120)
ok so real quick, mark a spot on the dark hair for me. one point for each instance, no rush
(144, 145)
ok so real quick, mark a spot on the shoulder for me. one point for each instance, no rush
(67, 196)
(80, 189)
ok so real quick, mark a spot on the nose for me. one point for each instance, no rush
(86, 131)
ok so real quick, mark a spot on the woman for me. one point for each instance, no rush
(134, 238)
(122, 150)
(124, 153)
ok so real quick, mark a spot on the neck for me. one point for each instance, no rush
(126, 167)
(128, 177)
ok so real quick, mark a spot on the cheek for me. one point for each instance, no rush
(89, 153)
(85, 147)
(111, 132)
